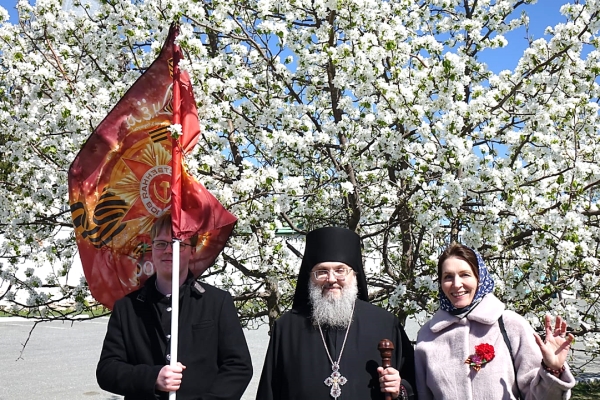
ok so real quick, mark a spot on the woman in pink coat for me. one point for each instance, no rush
(473, 348)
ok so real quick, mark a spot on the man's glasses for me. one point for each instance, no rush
(338, 273)
(163, 244)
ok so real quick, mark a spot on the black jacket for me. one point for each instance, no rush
(212, 346)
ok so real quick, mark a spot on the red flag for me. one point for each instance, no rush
(120, 182)
(176, 150)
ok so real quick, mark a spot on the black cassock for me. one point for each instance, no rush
(296, 364)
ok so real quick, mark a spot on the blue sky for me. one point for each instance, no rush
(541, 15)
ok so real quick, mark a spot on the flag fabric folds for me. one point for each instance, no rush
(120, 182)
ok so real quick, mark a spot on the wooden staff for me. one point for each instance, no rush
(385, 348)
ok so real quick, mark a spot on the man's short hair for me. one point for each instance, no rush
(164, 222)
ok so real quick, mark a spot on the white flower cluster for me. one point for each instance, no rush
(175, 130)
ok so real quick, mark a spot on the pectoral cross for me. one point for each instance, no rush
(335, 381)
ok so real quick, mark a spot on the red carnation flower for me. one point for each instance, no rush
(484, 353)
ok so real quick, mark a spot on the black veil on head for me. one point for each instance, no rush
(330, 244)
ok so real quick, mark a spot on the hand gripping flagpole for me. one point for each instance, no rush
(175, 208)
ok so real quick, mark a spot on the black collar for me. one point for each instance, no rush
(149, 289)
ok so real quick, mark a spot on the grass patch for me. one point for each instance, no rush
(586, 391)
(55, 313)
(21, 313)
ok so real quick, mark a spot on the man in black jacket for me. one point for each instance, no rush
(214, 361)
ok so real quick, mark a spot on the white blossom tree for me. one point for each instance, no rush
(375, 115)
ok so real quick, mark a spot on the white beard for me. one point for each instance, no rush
(335, 312)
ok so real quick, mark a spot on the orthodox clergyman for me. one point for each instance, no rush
(327, 345)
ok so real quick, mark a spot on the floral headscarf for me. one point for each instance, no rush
(485, 286)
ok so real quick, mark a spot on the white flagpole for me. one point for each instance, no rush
(174, 308)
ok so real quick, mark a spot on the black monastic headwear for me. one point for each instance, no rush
(329, 244)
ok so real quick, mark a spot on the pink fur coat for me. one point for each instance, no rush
(445, 342)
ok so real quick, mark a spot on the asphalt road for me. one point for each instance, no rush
(59, 360)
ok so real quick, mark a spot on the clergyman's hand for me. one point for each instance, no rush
(555, 348)
(389, 381)
(169, 378)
